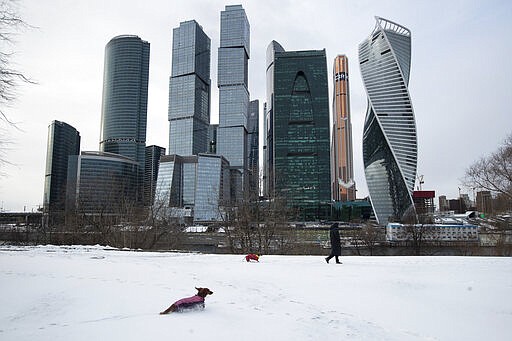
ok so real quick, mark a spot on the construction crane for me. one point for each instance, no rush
(420, 182)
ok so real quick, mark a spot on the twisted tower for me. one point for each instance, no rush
(390, 149)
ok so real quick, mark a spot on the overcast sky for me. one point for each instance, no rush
(460, 81)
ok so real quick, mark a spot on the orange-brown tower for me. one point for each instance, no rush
(343, 185)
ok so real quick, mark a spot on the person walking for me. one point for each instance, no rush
(334, 235)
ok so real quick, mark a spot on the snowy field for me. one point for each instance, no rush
(95, 293)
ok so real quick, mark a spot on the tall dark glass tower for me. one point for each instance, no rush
(253, 148)
(268, 147)
(390, 149)
(301, 141)
(125, 100)
(189, 90)
(63, 141)
(152, 162)
(234, 52)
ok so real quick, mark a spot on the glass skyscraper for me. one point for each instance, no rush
(189, 90)
(253, 148)
(300, 126)
(152, 161)
(268, 147)
(344, 187)
(233, 56)
(125, 100)
(389, 138)
(63, 141)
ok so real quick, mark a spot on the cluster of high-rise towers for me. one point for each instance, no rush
(208, 167)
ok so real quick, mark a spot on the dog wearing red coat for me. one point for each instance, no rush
(195, 302)
(252, 256)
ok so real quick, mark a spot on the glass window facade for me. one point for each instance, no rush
(105, 183)
(125, 101)
(389, 137)
(189, 90)
(253, 147)
(211, 188)
(198, 182)
(234, 53)
(343, 184)
(125, 97)
(301, 141)
(230, 139)
(152, 162)
(63, 141)
(168, 186)
(189, 182)
(268, 149)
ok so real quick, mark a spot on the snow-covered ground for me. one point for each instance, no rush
(95, 293)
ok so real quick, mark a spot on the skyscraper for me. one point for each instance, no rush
(268, 148)
(233, 58)
(300, 124)
(125, 100)
(152, 162)
(63, 142)
(389, 137)
(253, 148)
(189, 90)
(344, 188)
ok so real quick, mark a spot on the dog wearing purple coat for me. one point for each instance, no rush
(195, 302)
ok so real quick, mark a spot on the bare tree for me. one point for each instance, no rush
(493, 173)
(369, 235)
(416, 230)
(254, 225)
(10, 23)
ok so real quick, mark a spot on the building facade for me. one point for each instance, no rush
(424, 204)
(484, 202)
(189, 90)
(233, 57)
(433, 232)
(443, 204)
(212, 191)
(212, 138)
(125, 100)
(101, 183)
(193, 188)
(63, 142)
(300, 158)
(343, 184)
(268, 139)
(253, 155)
(152, 162)
(389, 136)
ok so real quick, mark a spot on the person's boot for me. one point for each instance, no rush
(327, 260)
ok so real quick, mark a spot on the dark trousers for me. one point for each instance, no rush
(332, 255)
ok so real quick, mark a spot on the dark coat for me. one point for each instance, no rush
(334, 235)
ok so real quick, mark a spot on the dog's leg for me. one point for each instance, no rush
(168, 310)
